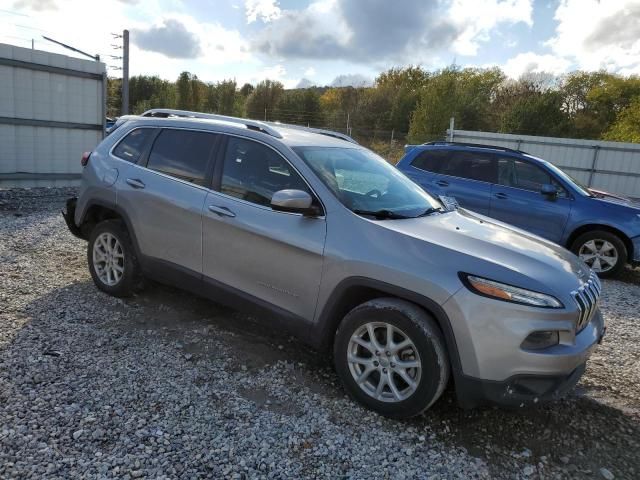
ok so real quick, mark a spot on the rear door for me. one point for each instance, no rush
(516, 199)
(165, 194)
(467, 176)
(274, 257)
(424, 168)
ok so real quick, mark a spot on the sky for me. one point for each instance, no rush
(334, 42)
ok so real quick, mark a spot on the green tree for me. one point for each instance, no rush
(264, 99)
(463, 94)
(184, 87)
(627, 125)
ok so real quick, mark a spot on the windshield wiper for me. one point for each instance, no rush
(381, 214)
(429, 211)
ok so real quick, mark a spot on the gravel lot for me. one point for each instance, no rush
(167, 385)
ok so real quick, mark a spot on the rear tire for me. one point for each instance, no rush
(604, 252)
(112, 260)
(394, 380)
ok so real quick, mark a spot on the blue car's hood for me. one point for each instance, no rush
(615, 199)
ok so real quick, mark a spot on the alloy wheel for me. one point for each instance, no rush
(384, 362)
(600, 255)
(108, 259)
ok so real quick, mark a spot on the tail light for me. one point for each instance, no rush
(85, 159)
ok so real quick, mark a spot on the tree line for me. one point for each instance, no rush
(414, 105)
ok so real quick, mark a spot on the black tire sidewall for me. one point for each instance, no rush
(126, 284)
(609, 237)
(423, 332)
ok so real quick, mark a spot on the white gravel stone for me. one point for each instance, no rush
(97, 387)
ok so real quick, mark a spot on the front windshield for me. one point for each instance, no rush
(365, 182)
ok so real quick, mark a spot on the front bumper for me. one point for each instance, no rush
(517, 391)
(636, 249)
(494, 368)
(69, 216)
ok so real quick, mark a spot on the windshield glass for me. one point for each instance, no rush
(365, 182)
(566, 177)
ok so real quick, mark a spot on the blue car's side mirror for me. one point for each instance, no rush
(549, 190)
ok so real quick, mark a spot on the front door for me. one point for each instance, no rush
(517, 200)
(272, 256)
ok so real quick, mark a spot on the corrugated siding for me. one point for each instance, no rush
(617, 167)
(36, 95)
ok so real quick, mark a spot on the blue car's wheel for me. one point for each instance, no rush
(603, 251)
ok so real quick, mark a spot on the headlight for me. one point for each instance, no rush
(509, 293)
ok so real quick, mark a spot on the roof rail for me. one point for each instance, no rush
(320, 131)
(477, 145)
(250, 124)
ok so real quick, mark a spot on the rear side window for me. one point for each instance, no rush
(182, 154)
(431, 160)
(472, 165)
(132, 145)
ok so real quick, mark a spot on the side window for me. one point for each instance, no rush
(132, 145)
(530, 177)
(183, 154)
(472, 165)
(254, 172)
(431, 160)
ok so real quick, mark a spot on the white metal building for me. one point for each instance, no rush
(52, 108)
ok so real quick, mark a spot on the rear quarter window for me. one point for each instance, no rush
(131, 147)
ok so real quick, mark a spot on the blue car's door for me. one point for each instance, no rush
(465, 175)
(516, 199)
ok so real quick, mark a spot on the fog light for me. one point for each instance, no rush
(540, 340)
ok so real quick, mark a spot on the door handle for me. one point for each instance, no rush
(501, 196)
(222, 211)
(442, 183)
(135, 183)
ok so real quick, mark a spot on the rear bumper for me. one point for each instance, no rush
(69, 215)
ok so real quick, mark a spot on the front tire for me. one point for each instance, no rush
(390, 356)
(603, 251)
(112, 260)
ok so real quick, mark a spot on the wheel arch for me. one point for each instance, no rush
(96, 212)
(354, 291)
(606, 228)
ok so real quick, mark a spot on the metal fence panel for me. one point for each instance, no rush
(609, 166)
(52, 108)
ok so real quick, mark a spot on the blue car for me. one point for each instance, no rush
(531, 193)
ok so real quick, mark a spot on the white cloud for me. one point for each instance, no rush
(531, 62)
(310, 72)
(265, 10)
(476, 19)
(598, 35)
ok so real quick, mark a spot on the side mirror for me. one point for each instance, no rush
(293, 201)
(549, 190)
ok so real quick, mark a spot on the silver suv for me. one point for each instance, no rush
(325, 239)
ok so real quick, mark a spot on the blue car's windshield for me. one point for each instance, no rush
(366, 183)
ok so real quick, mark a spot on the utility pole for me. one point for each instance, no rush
(125, 72)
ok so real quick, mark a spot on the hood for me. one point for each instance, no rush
(615, 199)
(491, 249)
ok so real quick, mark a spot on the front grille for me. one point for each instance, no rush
(586, 298)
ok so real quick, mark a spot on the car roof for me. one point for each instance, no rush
(291, 135)
(446, 145)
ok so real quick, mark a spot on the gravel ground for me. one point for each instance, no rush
(167, 385)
